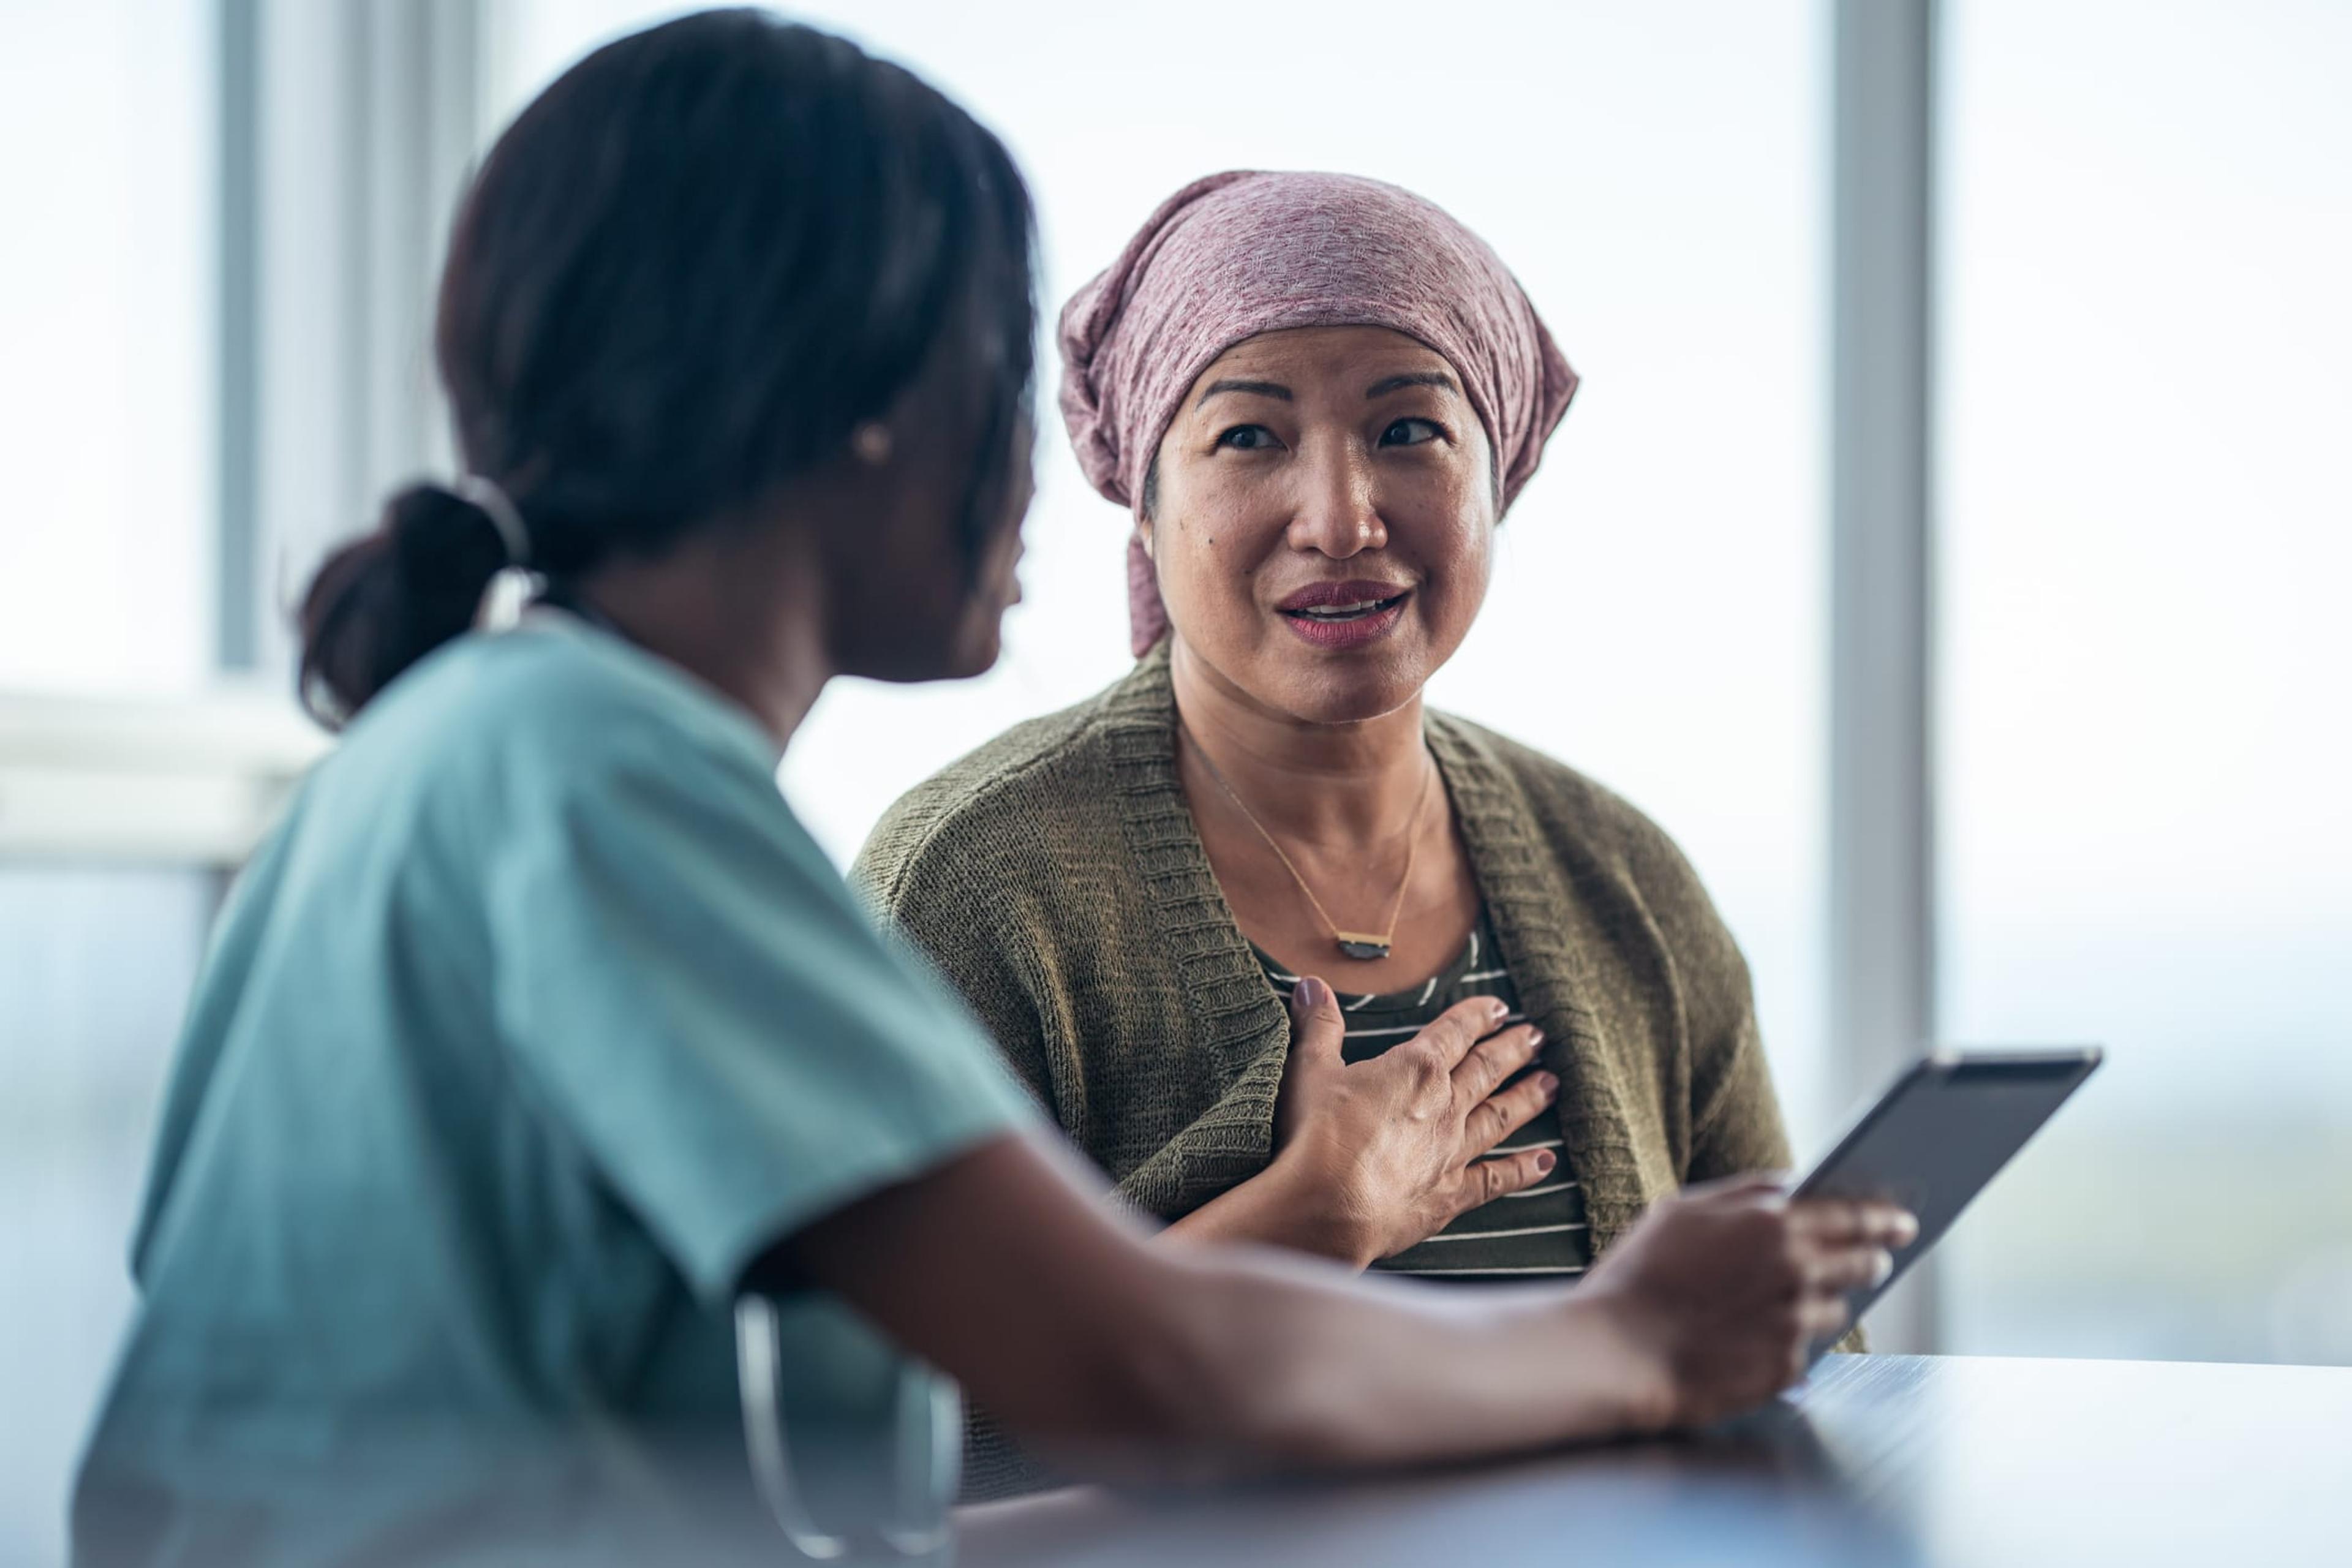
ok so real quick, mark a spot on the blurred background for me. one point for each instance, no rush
(1947, 545)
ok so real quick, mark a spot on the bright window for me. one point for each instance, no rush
(107, 312)
(95, 966)
(107, 355)
(2146, 745)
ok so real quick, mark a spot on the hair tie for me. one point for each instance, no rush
(488, 498)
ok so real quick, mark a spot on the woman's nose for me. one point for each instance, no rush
(1338, 514)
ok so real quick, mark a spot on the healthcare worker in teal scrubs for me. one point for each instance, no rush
(539, 1033)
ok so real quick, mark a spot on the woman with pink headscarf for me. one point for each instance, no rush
(1296, 959)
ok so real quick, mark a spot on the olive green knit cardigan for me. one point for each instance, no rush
(1056, 879)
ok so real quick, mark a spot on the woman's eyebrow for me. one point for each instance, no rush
(1417, 378)
(1263, 388)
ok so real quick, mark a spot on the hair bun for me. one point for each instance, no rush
(385, 600)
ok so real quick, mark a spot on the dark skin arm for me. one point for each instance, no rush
(1120, 1359)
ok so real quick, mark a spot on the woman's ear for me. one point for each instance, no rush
(1143, 537)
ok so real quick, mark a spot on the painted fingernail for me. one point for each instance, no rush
(1906, 1230)
(1880, 1267)
(1545, 1160)
(1497, 1007)
(1310, 992)
(1547, 1081)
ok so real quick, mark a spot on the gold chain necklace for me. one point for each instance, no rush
(1369, 946)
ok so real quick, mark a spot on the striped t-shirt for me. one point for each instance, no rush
(1524, 1235)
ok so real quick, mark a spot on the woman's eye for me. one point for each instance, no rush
(1247, 437)
(1410, 432)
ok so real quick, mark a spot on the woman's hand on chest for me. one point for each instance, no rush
(1371, 1157)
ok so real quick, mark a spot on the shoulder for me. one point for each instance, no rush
(556, 742)
(1556, 798)
(1008, 811)
(1580, 820)
(555, 706)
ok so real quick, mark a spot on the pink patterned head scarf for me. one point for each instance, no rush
(1242, 253)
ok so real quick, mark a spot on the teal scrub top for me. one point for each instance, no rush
(538, 1018)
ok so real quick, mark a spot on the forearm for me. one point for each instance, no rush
(1119, 1357)
(1296, 1370)
(1274, 1209)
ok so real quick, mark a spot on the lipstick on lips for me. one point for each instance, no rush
(1345, 614)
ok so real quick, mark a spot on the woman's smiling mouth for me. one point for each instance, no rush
(1344, 614)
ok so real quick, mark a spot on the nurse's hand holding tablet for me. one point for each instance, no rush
(1727, 1287)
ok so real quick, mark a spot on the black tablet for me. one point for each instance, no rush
(1935, 1139)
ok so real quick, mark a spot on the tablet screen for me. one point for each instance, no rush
(1940, 1134)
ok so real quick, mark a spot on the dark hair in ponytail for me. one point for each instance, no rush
(684, 274)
